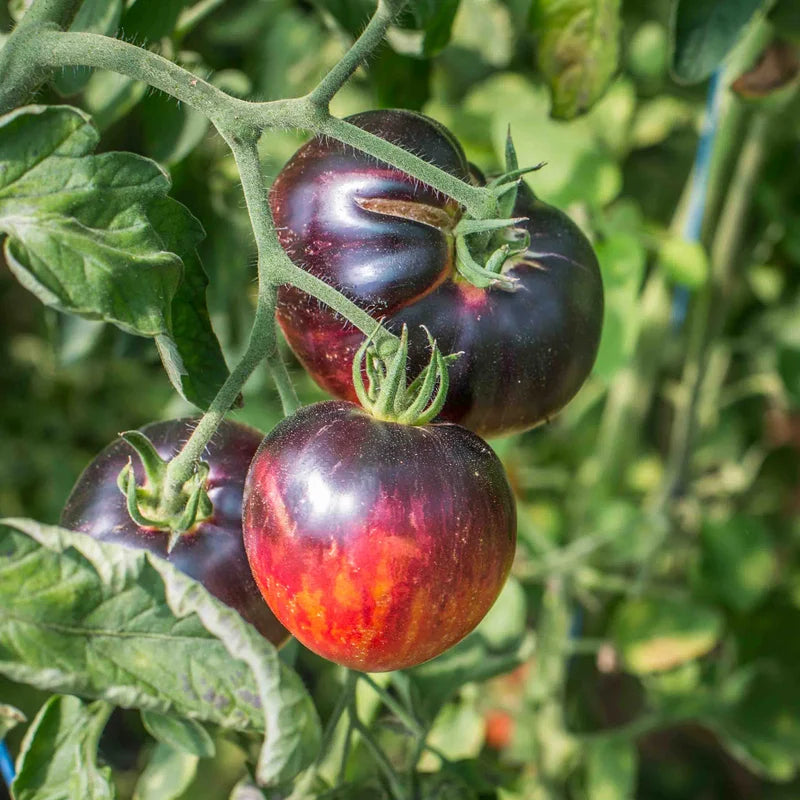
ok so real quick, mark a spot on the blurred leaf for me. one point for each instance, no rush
(202, 365)
(445, 785)
(106, 621)
(245, 789)
(57, 759)
(659, 634)
(658, 118)
(684, 262)
(763, 730)
(576, 168)
(785, 18)
(578, 50)
(78, 235)
(611, 769)
(704, 32)
(777, 68)
(434, 18)
(94, 16)
(168, 774)
(400, 81)
(171, 131)
(457, 733)
(10, 717)
(738, 564)
(109, 97)
(149, 20)
(180, 733)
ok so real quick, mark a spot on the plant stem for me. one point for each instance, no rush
(283, 383)
(712, 301)
(370, 38)
(181, 468)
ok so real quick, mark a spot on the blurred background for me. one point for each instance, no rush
(658, 514)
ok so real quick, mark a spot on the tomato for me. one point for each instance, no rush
(212, 552)
(387, 242)
(377, 544)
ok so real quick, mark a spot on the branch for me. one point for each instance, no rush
(362, 48)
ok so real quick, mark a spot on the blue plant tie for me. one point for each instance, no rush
(698, 193)
(6, 765)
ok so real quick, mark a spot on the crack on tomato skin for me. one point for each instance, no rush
(432, 216)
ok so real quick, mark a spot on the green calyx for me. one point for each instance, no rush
(388, 396)
(484, 247)
(146, 504)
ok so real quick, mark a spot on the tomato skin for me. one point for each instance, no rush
(378, 545)
(526, 353)
(212, 552)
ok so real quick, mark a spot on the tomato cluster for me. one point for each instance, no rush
(387, 242)
(378, 543)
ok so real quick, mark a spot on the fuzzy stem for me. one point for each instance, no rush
(370, 38)
(283, 383)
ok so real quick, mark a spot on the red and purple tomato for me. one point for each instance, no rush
(212, 552)
(378, 545)
(386, 241)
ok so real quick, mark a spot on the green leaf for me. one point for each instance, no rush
(78, 234)
(168, 774)
(109, 97)
(201, 368)
(245, 789)
(58, 756)
(611, 769)
(654, 635)
(738, 564)
(94, 16)
(10, 717)
(578, 50)
(180, 733)
(102, 620)
(704, 32)
(434, 18)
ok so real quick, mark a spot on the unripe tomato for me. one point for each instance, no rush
(378, 545)
(386, 241)
(212, 552)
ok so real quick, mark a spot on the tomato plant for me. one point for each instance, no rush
(378, 544)
(211, 550)
(390, 243)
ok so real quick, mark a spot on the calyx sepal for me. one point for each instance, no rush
(387, 395)
(145, 503)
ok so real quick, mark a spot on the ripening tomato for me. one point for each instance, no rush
(212, 552)
(377, 544)
(387, 242)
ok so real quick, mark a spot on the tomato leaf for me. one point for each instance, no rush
(199, 369)
(168, 774)
(656, 635)
(78, 234)
(704, 32)
(106, 621)
(58, 756)
(578, 50)
(180, 733)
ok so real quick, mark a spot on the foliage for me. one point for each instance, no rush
(643, 646)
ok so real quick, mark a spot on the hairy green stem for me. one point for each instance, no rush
(365, 44)
(283, 383)
(181, 468)
(21, 76)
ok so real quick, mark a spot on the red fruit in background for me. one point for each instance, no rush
(212, 552)
(378, 545)
(386, 241)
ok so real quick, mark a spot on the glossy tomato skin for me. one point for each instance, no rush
(378, 545)
(213, 551)
(526, 352)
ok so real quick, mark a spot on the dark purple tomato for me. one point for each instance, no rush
(378, 545)
(386, 241)
(212, 552)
